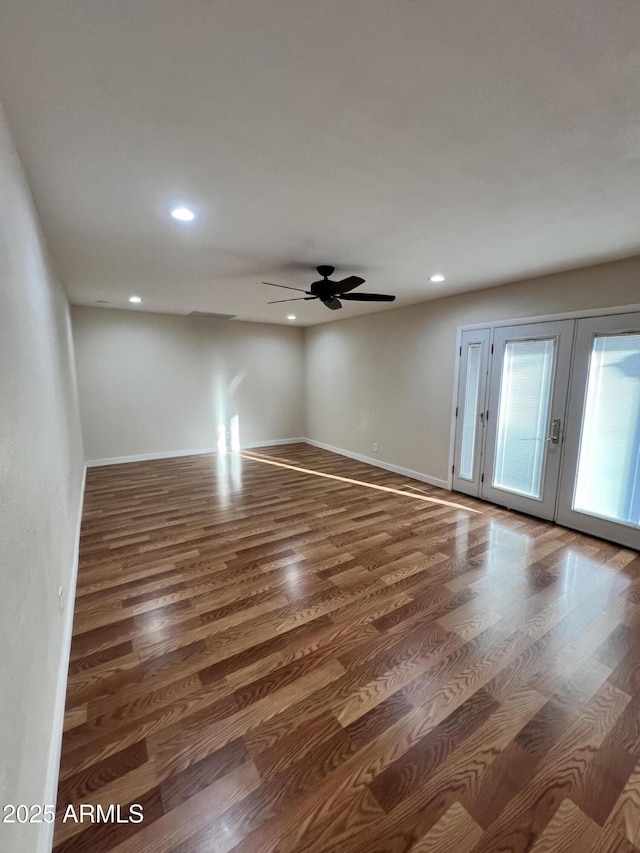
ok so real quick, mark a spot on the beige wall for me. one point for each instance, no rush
(157, 383)
(41, 467)
(388, 377)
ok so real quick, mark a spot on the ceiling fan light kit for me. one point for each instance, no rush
(331, 292)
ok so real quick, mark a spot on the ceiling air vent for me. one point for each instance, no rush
(209, 315)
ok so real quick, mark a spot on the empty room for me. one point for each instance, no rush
(361, 574)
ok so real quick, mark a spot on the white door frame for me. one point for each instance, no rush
(519, 321)
(627, 536)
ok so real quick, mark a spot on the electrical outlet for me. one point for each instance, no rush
(375, 446)
(61, 600)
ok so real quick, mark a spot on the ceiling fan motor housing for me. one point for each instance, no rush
(323, 289)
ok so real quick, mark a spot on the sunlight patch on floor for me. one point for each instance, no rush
(256, 457)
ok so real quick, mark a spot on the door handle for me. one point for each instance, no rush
(554, 438)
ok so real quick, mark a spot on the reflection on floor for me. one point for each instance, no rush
(266, 659)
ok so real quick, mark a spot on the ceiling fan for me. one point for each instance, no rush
(331, 292)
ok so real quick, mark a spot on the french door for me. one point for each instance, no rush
(527, 401)
(548, 422)
(472, 391)
(600, 483)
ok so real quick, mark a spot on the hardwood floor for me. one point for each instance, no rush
(270, 655)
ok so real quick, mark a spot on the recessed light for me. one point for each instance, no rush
(291, 316)
(436, 278)
(135, 299)
(183, 214)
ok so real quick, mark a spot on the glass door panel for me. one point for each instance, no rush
(470, 411)
(609, 457)
(529, 380)
(600, 491)
(523, 414)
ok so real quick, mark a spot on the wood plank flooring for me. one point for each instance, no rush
(289, 650)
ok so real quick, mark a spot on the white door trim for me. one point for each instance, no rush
(545, 318)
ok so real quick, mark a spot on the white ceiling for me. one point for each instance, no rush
(487, 140)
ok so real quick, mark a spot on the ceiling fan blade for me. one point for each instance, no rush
(368, 297)
(294, 299)
(334, 303)
(347, 283)
(286, 286)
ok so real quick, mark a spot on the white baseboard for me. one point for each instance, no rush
(170, 454)
(45, 842)
(378, 463)
(368, 460)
